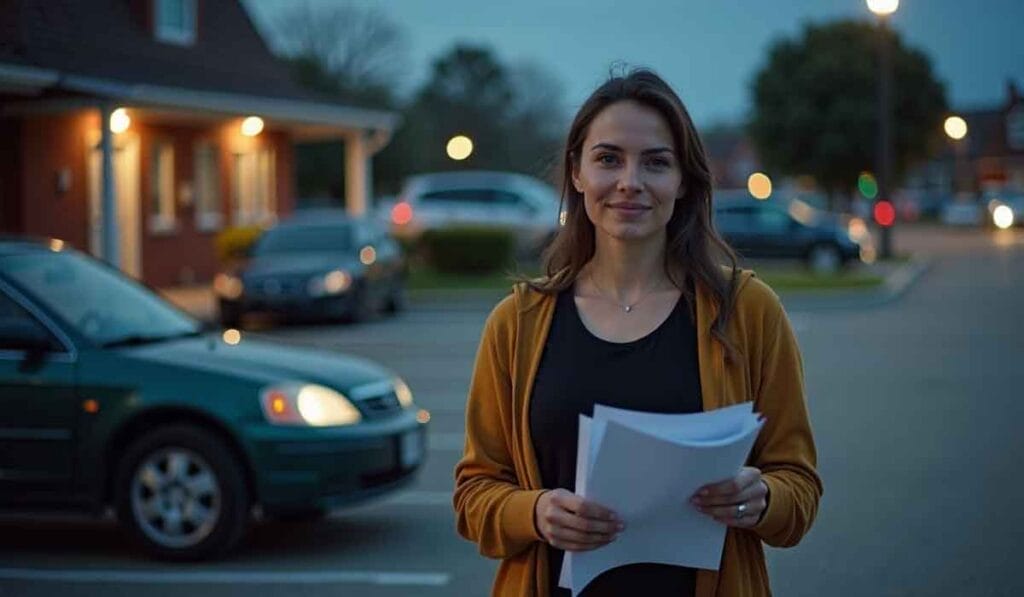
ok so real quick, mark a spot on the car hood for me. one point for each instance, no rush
(299, 264)
(261, 362)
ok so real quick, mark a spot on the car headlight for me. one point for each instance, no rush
(403, 392)
(313, 405)
(228, 286)
(1002, 216)
(334, 282)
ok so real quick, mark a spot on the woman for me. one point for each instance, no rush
(635, 311)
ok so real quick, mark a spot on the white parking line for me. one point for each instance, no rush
(420, 579)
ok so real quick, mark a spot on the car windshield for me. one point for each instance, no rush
(305, 239)
(99, 303)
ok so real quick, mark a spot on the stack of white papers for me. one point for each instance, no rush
(645, 467)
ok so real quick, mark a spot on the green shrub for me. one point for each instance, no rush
(234, 242)
(469, 249)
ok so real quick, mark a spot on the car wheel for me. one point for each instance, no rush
(181, 494)
(397, 300)
(824, 259)
(230, 315)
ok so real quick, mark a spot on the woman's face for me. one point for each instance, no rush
(628, 172)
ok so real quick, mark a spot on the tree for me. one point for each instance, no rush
(513, 115)
(815, 105)
(357, 53)
(352, 54)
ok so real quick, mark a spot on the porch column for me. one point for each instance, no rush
(109, 243)
(358, 174)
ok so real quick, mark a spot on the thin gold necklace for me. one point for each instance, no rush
(628, 308)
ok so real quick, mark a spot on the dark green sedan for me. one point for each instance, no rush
(111, 397)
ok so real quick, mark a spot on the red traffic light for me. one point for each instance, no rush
(885, 214)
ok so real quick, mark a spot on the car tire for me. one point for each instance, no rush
(181, 494)
(230, 315)
(825, 258)
(397, 300)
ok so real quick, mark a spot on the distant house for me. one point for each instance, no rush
(995, 143)
(181, 102)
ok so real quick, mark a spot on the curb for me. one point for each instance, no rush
(895, 286)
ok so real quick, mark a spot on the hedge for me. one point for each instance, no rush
(468, 249)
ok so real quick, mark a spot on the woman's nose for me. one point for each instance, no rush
(629, 180)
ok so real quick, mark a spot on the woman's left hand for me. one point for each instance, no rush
(737, 502)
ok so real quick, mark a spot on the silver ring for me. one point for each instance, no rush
(741, 510)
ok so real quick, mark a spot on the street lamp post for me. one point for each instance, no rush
(956, 130)
(883, 9)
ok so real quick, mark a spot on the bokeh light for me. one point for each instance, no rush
(119, 121)
(867, 185)
(252, 126)
(759, 185)
(955, 127)
(885, 214)
(232, 336)
(1002, 217)
(459, 147)
(883, 7)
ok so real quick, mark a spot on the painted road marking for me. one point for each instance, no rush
(421, 579)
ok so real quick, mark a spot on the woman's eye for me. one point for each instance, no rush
(659, 162)
(607, 158)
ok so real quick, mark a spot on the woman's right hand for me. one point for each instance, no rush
(567, 521)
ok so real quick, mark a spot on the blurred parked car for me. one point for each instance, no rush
(790, 230)
(112, 397)
(430, 201)
(962, 213)
(319, 263)
(1004, 209)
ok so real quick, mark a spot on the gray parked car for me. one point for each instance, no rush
(521, 203)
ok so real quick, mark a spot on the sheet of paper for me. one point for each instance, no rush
(713, 425)
(582, 465)
(645, 466)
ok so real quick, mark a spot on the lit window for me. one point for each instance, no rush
(207, 187)
(161, 210)
(254, 185)
(175, 21)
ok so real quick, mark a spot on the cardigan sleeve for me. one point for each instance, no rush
(491, 507)
(785, 450)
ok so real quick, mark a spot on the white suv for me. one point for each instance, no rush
(518, 202)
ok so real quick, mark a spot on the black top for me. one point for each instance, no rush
(657, 373)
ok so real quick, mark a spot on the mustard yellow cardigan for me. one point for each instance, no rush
(497, 481)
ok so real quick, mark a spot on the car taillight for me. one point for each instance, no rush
(401, 213)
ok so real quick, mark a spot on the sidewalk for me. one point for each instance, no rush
(200, 302)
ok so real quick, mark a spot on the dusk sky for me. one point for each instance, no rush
(709, 51)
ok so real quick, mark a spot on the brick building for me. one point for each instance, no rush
(182, 103)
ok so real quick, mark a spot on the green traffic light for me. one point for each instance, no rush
(867, 185)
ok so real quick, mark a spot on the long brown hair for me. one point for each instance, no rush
(694, 250)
